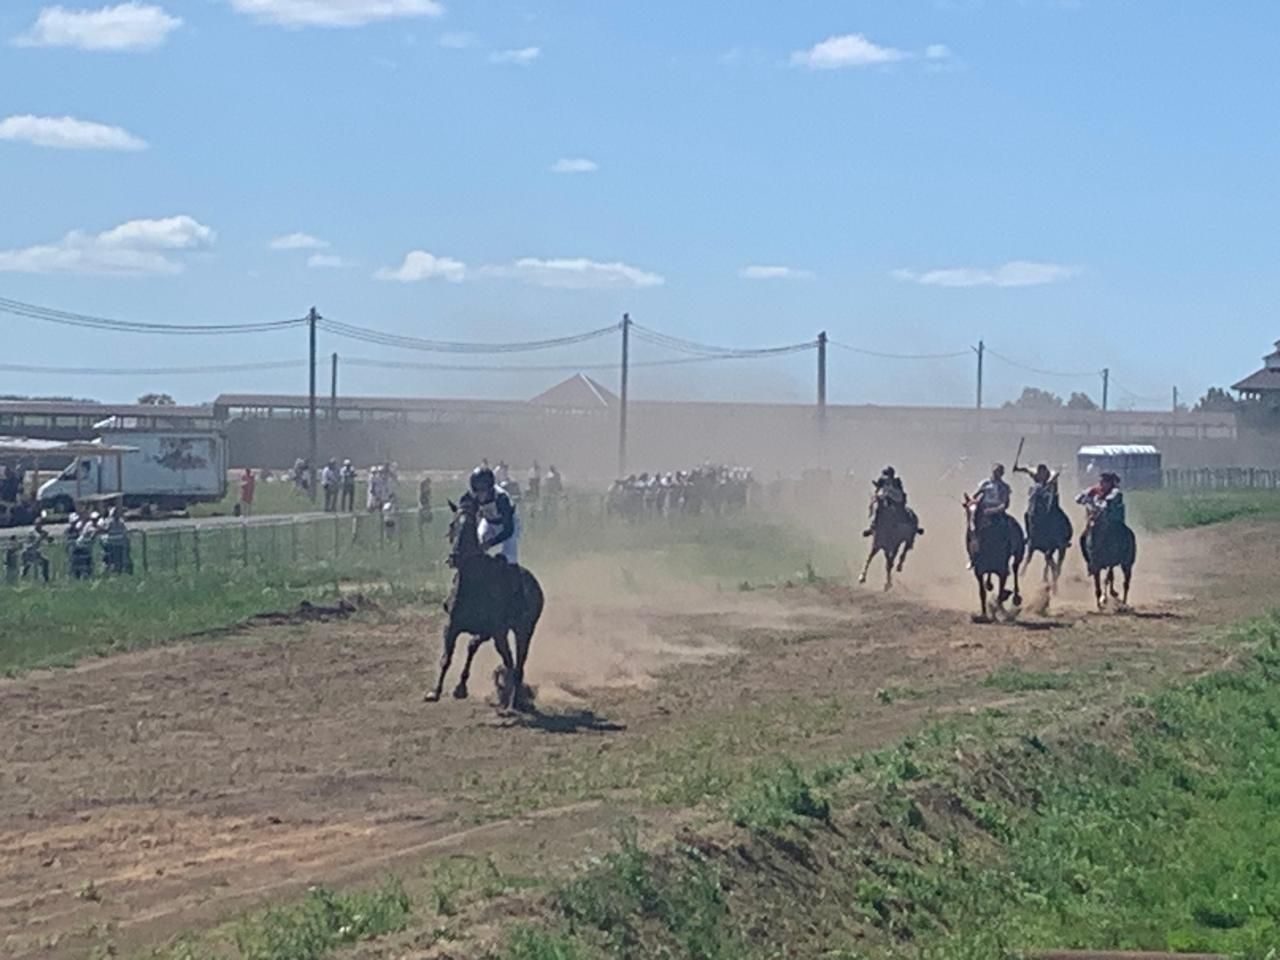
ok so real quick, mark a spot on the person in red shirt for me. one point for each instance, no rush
(247, 483)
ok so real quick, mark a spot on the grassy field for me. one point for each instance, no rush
(1176, 510)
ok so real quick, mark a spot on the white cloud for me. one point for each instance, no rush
(336, 13)
(126, 26)
(575, 165)
(562, 274)
(1015, 273)
(134, 248)
(68, 133)
(420, 265)
(577, 274)
(848, 50)
(299, 241)
(326, 261)
(457, 41)
(774, 273)
(522, 57)
(937, 51)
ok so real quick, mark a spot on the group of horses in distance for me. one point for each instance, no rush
(1000, 551)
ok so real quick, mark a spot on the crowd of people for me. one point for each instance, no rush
(86, 538)
(710, 489)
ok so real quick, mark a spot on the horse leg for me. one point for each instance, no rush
(906, 548)
(1128, 577)
(460, 691)
(889, 557)
(446, 658)
(524, 637)
(982, 597)
(1097, 587)
(506, 671)
(875, 548)
(1111, 583)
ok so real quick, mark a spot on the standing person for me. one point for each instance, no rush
(12, 552)
(247, 486)
(373, 496)
(534, 487)
(329, 484)
(424, 501)
(33, 558)
(553, 488)
(116, 543)
(347, 477)
(502, 474)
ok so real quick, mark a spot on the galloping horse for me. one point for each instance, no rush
(893, 528)
(995, 545)
(1048, 532)
(1106, 544)
(490, 598)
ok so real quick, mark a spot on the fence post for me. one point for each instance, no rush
(293, 540)
(146, 566)
(244, 542)
(195, 546)
(177, 548)
(337, 536)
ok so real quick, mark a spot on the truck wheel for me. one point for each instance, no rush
(63, 505)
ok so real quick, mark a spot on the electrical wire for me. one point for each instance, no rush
(693, 348)
(901, 356)
(535, 367)
(1037, 370)
(405, 342)
(153, 371)
(84, 320)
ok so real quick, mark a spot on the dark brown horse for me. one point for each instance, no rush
(490, 599)
(995, 544)
(894, 529)
(1106, 544)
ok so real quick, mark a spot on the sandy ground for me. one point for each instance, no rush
(146, 794)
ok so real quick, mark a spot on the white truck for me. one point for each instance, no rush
(167, 470)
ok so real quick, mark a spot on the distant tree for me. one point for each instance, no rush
(156, 400)
(1081, 401)
(1217, 400)
(1033, 398)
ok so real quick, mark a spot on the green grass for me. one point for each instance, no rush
(1176, 510)
(1016, 680)
(779, 798)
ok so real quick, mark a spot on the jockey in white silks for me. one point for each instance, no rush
(499, 529)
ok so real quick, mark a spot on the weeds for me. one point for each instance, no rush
(779, 798)
(1017, 680)
(322, 921)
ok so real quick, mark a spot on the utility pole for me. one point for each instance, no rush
(312, 317)
(981, 350)
(1106, 387)
(822, 376)
(1175, 399)
(622, 410)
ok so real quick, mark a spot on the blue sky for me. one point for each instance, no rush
(1083, 184)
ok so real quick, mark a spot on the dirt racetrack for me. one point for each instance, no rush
(147, 794)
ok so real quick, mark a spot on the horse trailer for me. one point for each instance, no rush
(1138, 465)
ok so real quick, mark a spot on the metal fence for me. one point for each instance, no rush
(1222, 478)
(343, 544)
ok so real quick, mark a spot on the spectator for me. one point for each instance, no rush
(33, 558)
(534, 486)
(347, 477)
(553, 488)
(12, 552)
(329, 484)
(115, 544)
(373, 497)
(247, 485)
(424, 501)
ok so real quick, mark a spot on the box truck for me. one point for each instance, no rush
(166, 469)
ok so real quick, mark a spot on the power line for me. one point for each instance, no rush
(153, 371)
(901, 356)
(693, 348)
(85, 320)
(1041, 372)
(1137, 396)
(405, 342)
(534, 367)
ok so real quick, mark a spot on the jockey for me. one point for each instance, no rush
(1104, 499)
(499, 527)
(1043, 495)
(993, 494)
(889, 494)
